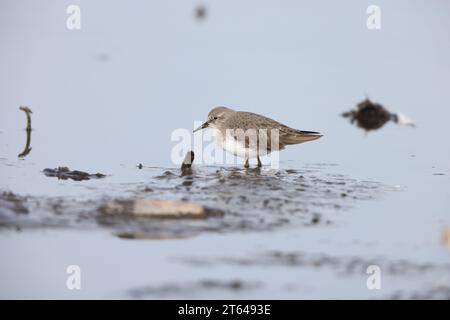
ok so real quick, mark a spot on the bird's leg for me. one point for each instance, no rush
(246, 164)
(259, 162)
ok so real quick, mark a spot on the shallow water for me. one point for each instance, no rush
(107, 97)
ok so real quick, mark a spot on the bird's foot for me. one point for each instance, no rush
(259, 163)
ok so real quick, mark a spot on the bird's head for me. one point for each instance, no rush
(216, 117)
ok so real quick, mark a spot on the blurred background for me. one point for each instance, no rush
(136, 71)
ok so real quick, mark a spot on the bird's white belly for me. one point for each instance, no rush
(233, 146)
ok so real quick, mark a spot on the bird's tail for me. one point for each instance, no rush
(300, 136)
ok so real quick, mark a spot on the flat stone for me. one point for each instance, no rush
(155, 209)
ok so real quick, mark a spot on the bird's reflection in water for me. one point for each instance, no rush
(27, 148)
(218, 176)
(372, 116)
(253, 171)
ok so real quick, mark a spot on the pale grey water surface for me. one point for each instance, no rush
(108, 97)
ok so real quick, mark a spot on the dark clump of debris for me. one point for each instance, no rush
(200, 12)
(64, 173)
(372, 116)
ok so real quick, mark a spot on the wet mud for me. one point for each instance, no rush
(247, 200)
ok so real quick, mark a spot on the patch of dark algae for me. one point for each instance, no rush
(394, 269)
(192, 289)
(64, 173)
(344, 265)
(14, 203)
(248, 200)
(436, 292)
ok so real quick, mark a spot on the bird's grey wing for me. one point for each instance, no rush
(268, 131)
(286, 135)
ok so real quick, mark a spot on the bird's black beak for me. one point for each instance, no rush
(203, 126)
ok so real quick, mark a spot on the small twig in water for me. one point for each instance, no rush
(28, 113)
(27, 148)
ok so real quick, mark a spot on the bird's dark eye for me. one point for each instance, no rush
(215, 118)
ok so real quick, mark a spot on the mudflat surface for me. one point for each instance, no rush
(307, 232)
(252, 200)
